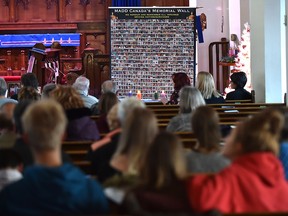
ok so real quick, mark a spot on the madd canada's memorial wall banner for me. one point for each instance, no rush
(148, 45)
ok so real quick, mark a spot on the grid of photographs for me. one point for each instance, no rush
(146, 52)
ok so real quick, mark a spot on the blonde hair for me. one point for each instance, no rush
(205, 84)
(261, 133)
(137, 135)
(164, 163)
(190, 99)
(68, 97)
(44, 122)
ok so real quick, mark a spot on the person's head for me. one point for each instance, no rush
(7, 109)
(180, 80)
(44, 123)
(47, 89)
(68, 97)
(126, 106)
(205, 84)
(112, 118)
(3, 87)
(137, 135)
(71, 77)
(164, 163)
(190, 99)
(82, 84)
(29, 80)
(238, 80)
(106, 102)
(28, 93)
(18, 113)
(109, 86)
(10, 159)
(205, 125)
(261, 133)
(6, 124)
(284, 132)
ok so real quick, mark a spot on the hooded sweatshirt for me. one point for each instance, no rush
(53, 191)
(254, 182)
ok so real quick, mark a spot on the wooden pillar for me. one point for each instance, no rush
(77, 55)
(62, 10)
(22, 61)
(9, 63)
(12, 11)
(82, 42)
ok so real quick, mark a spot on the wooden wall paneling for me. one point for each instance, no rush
(36, 11)
(4, 13)
(97, 41)
(96, 10)
(153, 2)
(74, 11)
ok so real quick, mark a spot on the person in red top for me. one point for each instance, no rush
(255, 181)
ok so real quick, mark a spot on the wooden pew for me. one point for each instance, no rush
(77, 150)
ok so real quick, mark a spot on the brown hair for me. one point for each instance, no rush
(107, 101)
(28, 93)
(261, 133)
(68, 97)
(137, 135)
(205, 125)
(164, 162)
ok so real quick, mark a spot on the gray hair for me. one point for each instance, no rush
(109, 86)
(82, 84)
(190, 99)
(126, 106)
(3, 87)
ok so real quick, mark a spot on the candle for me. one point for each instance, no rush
(156, 95)
(163, 95)
(139, 95)
(130, 93)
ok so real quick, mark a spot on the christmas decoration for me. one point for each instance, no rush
(243, 62)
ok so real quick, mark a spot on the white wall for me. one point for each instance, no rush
(214, 9)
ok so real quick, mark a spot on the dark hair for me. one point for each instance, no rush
(106, 102)
(28, 93)
(205, 125)
(239, 79)
(18, 113)
(284, 132)
(29, 80)
(9, 158)
(49, 87)
(5, 122)
(164, 162)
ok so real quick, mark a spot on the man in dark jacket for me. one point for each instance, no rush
(50, 187)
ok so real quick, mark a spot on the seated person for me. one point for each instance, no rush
(27, 80)
(206, 156)
(50, 187)
(161, 185)
(100, 154)
(20, 145)
(255, 180)
(205, 84)
(82, 84)
(11, 167)
(80, 125)
(238, 81)
(190, 99)
(3, 92)
(180, 80)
